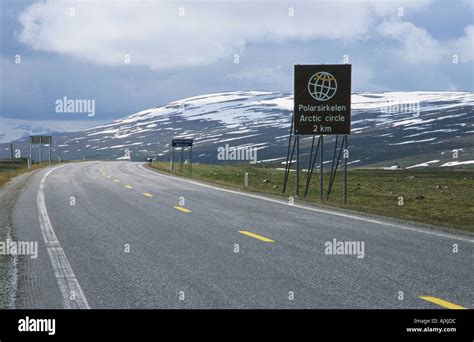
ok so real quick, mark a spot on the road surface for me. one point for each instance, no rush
(114, 235)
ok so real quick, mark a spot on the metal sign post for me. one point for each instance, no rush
(181, 159)
(288, 158)
(346, 156)
(172, 159)
(321, 167)
(190, 169)
(312, 162)
(297, 192)
(40, 149)
(335, 164)
(29, 157)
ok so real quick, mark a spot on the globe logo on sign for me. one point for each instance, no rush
(322, 86)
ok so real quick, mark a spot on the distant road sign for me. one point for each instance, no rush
(182, 142)
(41, 139)
(322, 100)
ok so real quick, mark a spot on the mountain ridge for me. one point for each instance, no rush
(406, 127)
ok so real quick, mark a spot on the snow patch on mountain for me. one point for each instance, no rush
(382, 128)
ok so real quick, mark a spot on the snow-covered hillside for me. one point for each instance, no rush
(415, 129)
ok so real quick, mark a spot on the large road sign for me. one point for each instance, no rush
(322, 100)
(41, 139)
(182, 142)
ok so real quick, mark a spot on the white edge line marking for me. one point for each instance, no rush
(65, 277)
(313, 209)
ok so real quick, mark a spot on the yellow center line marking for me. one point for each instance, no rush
(184, 210)
(147, 194)
(117, 180)
(256, 236)
(442, 303)
(129, 186)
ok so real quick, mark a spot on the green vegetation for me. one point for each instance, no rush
(9, 169)
(441, 197)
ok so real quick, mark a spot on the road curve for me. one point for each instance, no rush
(124, 240)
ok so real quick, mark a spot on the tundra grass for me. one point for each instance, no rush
(437, 197)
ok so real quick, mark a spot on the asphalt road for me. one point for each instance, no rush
(124, 244)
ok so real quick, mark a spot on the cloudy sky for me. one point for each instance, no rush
(80, 49)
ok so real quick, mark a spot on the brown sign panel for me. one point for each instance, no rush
(41, 139)
(322, 101)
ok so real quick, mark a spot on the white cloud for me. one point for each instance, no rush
(153, 33)
(263, 74)
(416, 45)
(464, 46)
(391, 8)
